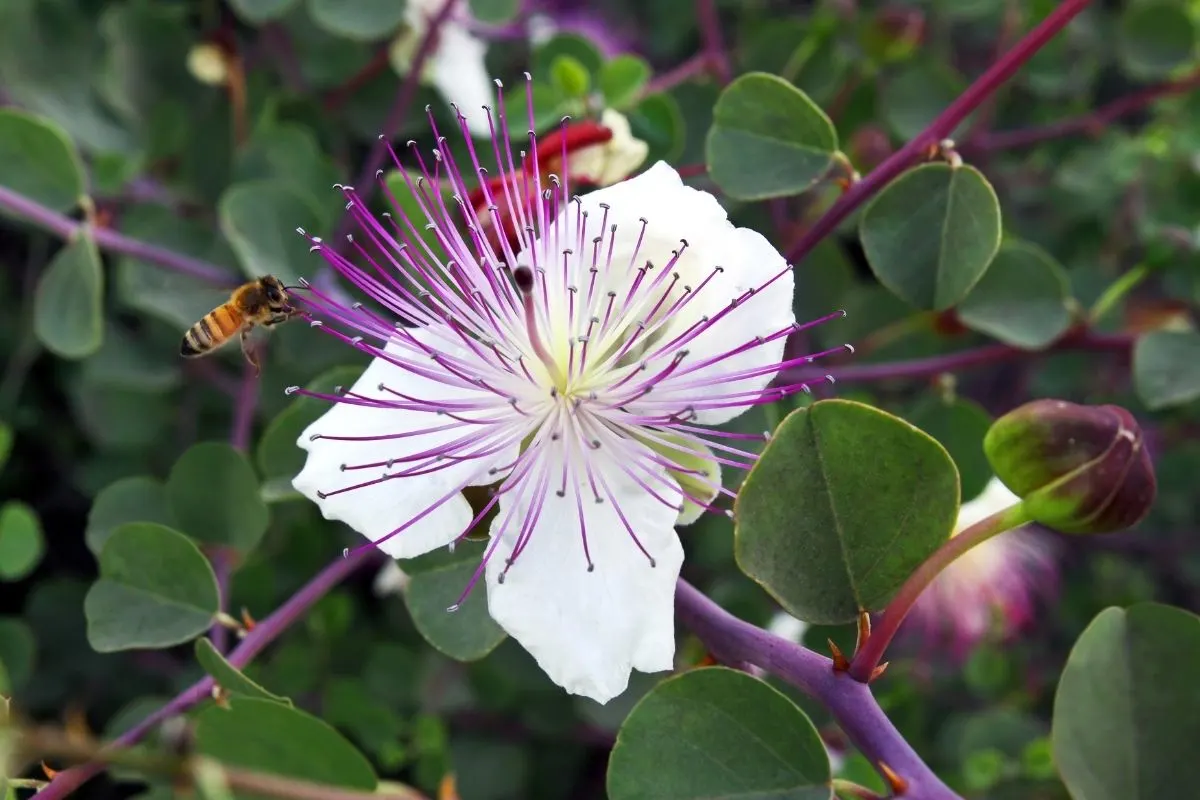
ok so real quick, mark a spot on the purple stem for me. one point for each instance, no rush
(954, 362)
(851, 703)
(263, 634)
(694, 67)
(940, 128)
(244, 408)
(222, 564)
(365, 185)
(108, 239)
(714, 44)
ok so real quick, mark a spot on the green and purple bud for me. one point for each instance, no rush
(1078, 469)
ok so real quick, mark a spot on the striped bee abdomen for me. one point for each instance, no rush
(214, 330)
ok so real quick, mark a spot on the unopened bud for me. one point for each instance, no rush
(1078, 469)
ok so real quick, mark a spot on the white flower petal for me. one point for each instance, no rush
(675, 213)
(378, 509)
(587, 630)
(458, 72)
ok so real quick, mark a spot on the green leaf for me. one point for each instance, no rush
(39, 160)
(257, 12)
(155, 590)
(768, 139)
(229, 677)
(267, 736)
(622, 80)
(931, 233)
(278, 455)
(842, 505)
(959, 425)
(1155, 38)
(570, 77)
(1021, 299)
(213, 495)
(1127, 713)
(139, 498)
(467, 634)
(260, 219)
(18, 649)
(718, 733)
(68, 312)
(21, 542)
(913, 98)
(362, 20)
(577, 47)
(658, 121)
(494, 12)
(1166, 368)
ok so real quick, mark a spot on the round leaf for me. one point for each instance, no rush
(768, 139)
(260, 219)
(139, 498)
(931, 233)
(21, 541)
(267, 736)
(914, 97)
(1156, 38)
(1021, 299)
(717, 732)
(364, 20)
(494, 12)
(259, 11)
(229, 677)
(844, 503)
(213, 495)
(38, 160)
(466, 634)
(1127, 713)
(68, 314)
(155, 590)
(622, 80)
(1166, 368)
(959, 425)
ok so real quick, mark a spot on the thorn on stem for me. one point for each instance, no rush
(864, 630)
(50, 773)
(898, 784)
(840, 664)
(248, 621)
(878, 671)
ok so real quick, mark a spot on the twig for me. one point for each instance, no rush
(714, 45)
(335, 98)
(940, 128)
(1085, 123)
(107, 239)
(265, 632)
(955, 362)
(365, 184)
(862, 668)
(694, 67)
(850, 702)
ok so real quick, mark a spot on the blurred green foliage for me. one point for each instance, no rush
(1063, 260)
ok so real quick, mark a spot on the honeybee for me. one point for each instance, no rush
(262, 302)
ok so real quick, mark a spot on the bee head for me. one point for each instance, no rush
(273, 288)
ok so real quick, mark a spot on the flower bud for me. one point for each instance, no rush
(1078, 469)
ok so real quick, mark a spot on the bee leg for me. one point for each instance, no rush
(248, 352)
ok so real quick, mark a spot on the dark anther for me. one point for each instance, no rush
(653, 563)
(560, 493)
(321, 494)
(524, 277)
(591, 567)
